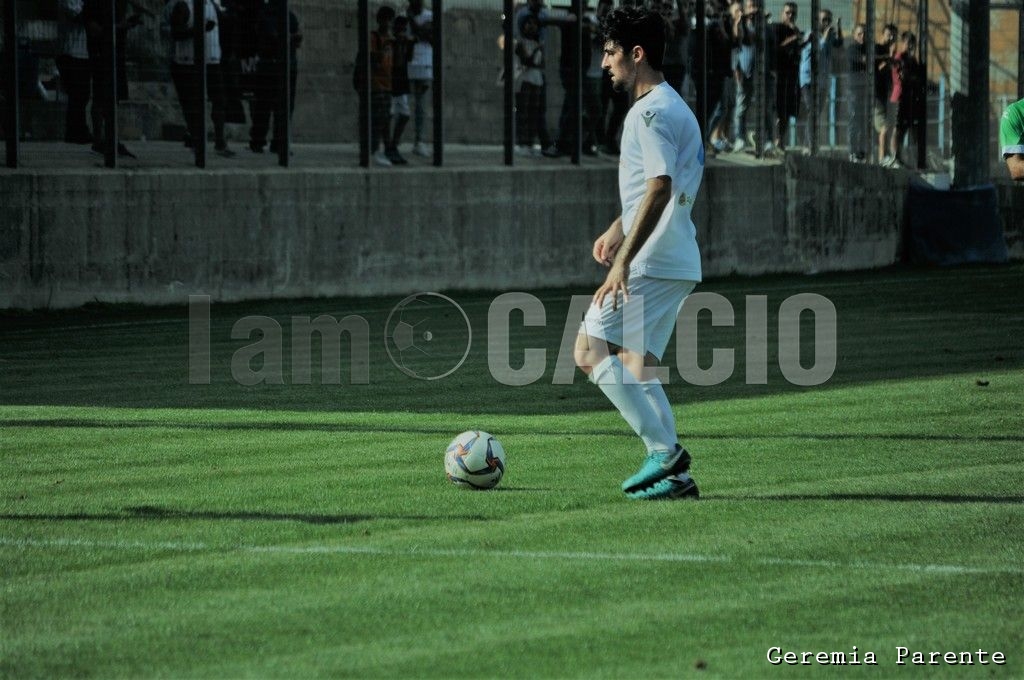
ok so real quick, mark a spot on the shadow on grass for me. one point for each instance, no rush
(154, 513)
(85, 423)
(877, 497)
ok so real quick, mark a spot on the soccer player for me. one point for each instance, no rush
(1011, 139)
(650, 250)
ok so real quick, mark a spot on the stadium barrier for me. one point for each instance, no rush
(74, 238)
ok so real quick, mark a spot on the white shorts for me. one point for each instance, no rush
(400, 105)
(645, 323)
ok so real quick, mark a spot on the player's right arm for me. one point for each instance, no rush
(607, 244)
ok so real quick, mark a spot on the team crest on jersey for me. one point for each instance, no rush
(648, 116)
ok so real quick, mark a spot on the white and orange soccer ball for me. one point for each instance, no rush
(475, 460)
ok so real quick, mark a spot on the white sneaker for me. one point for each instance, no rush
(887, 161)
(380, 158)
(738, 145)
(420, 149)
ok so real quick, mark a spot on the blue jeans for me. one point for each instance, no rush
(419, 92)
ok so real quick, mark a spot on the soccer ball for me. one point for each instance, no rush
(475, 460)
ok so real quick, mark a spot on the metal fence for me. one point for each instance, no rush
(129, 44)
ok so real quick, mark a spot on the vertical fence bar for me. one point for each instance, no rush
(922, 46)
(282, 117)
(199, 70)
(509, 85)
(363, 79)
(700, 68)
(110, 124)
(1020, 51)
(12, 119)
(438, 11)
(577, 82)
(761, 80)
(812, 115)
(870, 70)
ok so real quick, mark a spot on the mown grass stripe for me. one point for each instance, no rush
(585, 556)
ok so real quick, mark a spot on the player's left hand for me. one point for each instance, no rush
(616, 282)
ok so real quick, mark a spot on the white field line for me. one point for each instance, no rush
(570, 556)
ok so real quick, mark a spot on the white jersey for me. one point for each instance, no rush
(660, 137)
(182, 50)
(421, 66)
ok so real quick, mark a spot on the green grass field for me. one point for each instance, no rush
(150, 527)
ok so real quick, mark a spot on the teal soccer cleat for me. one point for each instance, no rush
(670, 488)
(656, 467)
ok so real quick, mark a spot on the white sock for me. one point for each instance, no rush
(655, 393)
(633, 404)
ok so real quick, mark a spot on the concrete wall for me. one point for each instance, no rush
(74, 237)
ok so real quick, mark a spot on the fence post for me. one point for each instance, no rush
(199, 66)
(509, 85)
(438, 51)
(363, 80)
(110, 124)
(922, 46)
(12, 120)
(282, 117)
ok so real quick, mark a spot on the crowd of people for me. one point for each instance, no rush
(243, 44)
(753, 64)
(401, 65)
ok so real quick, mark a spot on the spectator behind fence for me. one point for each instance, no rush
(232, 22)
(744, 35)
(75, 73)
(617, 103)
(96, 16)
(1011, 139)
(593, 112)
(906, 96)
(269, 74)
(857, 95)
(401, 53)
(824, 38)
(421, 69)
(787, 73)
(677, 34)
(571, 52)
(381, 71)
(884, 52)
(536, 9)
(530, 122)
(721, 93)
(177, 25)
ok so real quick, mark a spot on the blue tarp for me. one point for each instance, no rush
(958, 226)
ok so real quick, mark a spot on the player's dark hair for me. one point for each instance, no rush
(386, 12)
(630, 26)
(909, 38)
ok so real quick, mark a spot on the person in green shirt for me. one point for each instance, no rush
(1011, 139)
